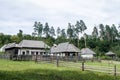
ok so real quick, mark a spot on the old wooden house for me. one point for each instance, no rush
(65, 49)
(27, 47)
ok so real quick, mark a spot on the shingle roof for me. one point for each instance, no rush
(64, 47)
(33, 44)
(87, 51)
(11, 45)
(28, 44)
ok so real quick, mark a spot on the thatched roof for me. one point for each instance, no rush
(64, 47)
(110, 53)
(28, 44)
(87, 51)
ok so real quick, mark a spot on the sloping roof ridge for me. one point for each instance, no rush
(20, 44)
(31, 40)
(11, 44)
(64, 42)
(86, 50)
(75, 48)
(110, 52)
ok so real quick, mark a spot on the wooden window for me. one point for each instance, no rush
(23, 53)
(27, 52)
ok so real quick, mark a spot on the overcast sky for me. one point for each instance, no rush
(21, 14)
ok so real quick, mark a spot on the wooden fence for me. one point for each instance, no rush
(104, 69)
(4, 56)
(45, 59)
(73, 62)
(114, 70)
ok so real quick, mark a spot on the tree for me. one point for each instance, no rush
(80, 28)
(58, 31)
(27, 37)
(20, 35)
(85, 37)
(46, 30)
(15, 38)
(52, 31)
(108, 32)
(119, 31)
(38, 28)
(75, 32)
(114, 32)
(70, 31)
(63, 34)
(83, 26)
(34, 34)
(102, 31)
(4, 39)
(104, 46)
(95, 32)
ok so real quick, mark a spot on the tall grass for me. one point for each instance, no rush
(21, 70)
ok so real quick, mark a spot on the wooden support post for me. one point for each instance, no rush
(52, 60)
(114, 70)
(83, 66)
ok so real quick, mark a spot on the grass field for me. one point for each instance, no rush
(28, 70)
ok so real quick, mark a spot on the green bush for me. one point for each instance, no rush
(1, 52)
(106, 58)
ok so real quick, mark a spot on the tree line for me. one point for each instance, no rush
(103, 38)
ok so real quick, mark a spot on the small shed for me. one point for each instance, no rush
(110, 54)
(87, 53)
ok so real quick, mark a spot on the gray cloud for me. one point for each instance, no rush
(21, 14)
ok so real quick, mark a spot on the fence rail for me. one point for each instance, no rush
(67, 62)
(74, 63)
(114, 70)
(4, 56)
(105, 69)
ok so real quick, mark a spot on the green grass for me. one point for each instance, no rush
(28, 70)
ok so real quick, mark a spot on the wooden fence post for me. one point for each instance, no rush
(52, 59)
(114, 70)
(83, 66)
(76, 57)
(57, 61)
